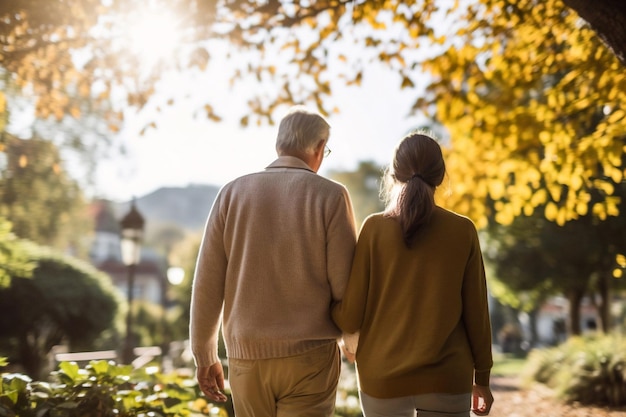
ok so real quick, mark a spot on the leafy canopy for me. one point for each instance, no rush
(53, 211)
(533, 101)
(536, 108)
(14, 256)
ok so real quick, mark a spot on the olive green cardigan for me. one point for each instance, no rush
(422, 312)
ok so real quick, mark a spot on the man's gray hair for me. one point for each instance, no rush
(301, 130)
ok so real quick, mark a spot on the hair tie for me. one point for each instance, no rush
(421, 178)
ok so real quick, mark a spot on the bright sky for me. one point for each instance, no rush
(188, 149)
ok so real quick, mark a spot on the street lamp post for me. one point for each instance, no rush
(131, 236)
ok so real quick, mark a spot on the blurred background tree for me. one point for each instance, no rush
(53, 210)
(65, 302)
(363, 184)
(14, 259)
(540, 259)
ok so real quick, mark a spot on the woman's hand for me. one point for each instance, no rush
(482, 400)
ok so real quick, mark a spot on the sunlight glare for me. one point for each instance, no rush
(175, 275)
(154, 36)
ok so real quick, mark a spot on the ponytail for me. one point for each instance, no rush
(418, 168)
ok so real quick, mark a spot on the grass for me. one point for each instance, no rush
(506, 365)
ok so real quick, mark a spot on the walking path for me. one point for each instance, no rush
(511, 401)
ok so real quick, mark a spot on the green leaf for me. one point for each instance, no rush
(70, 369)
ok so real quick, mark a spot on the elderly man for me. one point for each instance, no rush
(276, 254)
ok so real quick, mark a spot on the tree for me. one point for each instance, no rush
(33, 33)
(14, 260)
(526, 89)
(184, 255)
(607, 18)
(66, 301)
(533, 103)
(364, 187)
(535, 258)
(53, 212)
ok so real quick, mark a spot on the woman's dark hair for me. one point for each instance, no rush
(417, 170)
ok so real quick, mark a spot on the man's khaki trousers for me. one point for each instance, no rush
(304, 385)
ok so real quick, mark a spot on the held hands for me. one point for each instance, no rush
(211, 381)
(482, 400)
(351, 357)
(349, 344)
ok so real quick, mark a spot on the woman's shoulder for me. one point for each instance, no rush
(450, 216)
(376, 219)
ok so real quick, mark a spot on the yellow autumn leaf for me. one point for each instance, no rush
(582, 208)
(599, 211)
(407, 83)
(551, 211)
(496, 189)
(616, 116)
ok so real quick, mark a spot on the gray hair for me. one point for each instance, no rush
(301, 130)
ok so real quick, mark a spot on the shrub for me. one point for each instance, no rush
(105, 389)
(590, 370)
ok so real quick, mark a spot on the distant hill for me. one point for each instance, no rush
(187, 207)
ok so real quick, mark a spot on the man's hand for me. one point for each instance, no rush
(482, 400)
(350, 357)
(349, 343)
(211, 381)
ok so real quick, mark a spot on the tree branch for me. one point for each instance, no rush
(608, 19)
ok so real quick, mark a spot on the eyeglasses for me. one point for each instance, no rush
(327, 151)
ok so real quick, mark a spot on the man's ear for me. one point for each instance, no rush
(320, 147)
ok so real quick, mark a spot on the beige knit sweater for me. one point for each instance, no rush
(276, 253)
(422, 312)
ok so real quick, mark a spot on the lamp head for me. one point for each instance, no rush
(132, 233)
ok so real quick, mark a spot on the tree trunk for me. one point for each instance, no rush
(608, 19)
(605, 303)
(532, 323)
(575, 298)
(29, 358)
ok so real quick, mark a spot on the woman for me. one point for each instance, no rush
(418, 297)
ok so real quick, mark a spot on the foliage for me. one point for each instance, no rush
(533, 100)
(156, 326)
(14, 260)
(184, 255)
(589, 370)
(347, 404)
(507, 365)
(53, 212)
(364, 187)
(606, 17)
(535, 108)
(65, 301)
(104, 389)
(84, 137)
(533, 258)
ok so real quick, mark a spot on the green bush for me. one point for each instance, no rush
(105, 389)
(589, 370)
